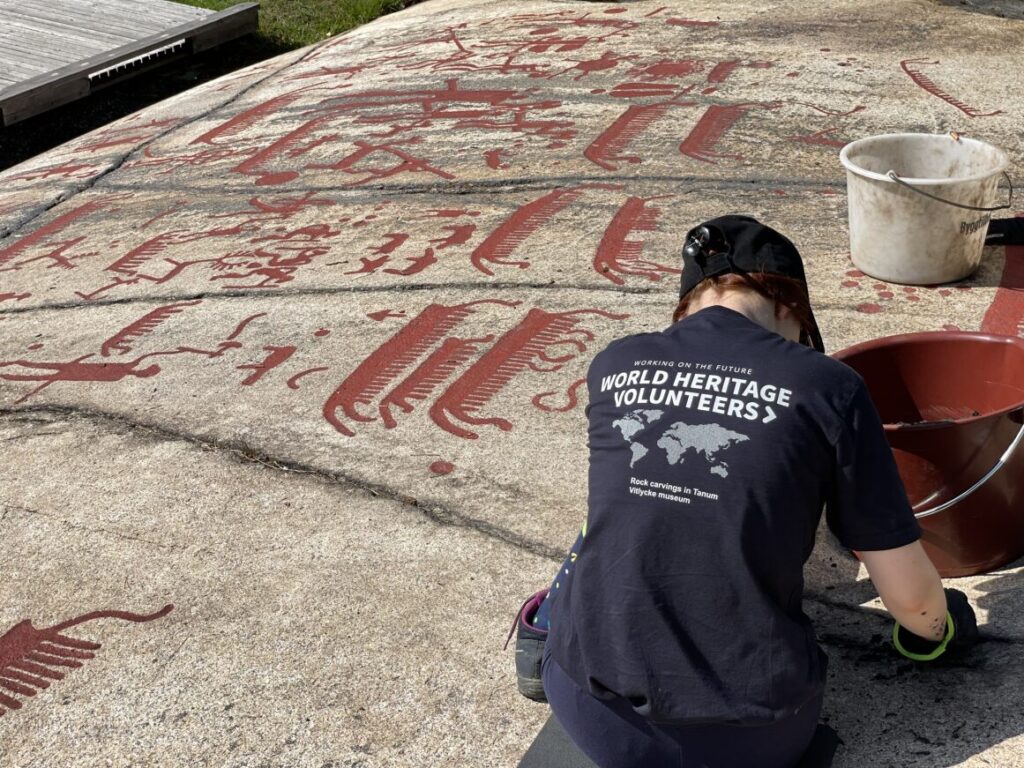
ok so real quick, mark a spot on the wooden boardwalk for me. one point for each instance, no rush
(55, 51)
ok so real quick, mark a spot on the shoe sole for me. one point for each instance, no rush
(531, 688)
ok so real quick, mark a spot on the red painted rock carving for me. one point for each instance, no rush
(78, 369)
(826, 111)
(668, 69)
(428, 375)
(1006, 313)
(278, 207)
(498, 246)
(402, 162)
(606, 150)
(721, 71)
(47, 231)
(644, 90)
(276, 356)
(242, 326)
(70, 170)
(382, 368)
(293, 382)
(618, 254)
(29, 655)
(394, 112)
(913, 68)
(384, 314)
(125, 134)
(251, 116)
(822, 137)
(175, 208)
(572, 398)
(460, 234)
(128, 269)
(394, 240)
(712, 126)
(527, 347)
(606, 61)
(121, 341)
(442, 467)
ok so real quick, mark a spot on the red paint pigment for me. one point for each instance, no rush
(28, 654)
(393, 242)
(122, 340)
(606, 151)
(498, 246)
(673, 68)
(418, 363)
(711, 127)
(521, 349)
(384, 367)
(913, 69)
(56, 226)
(293, 382)
(277, 356)
(382, 314)
(1006, 313)
(869, 309)
(618, 254)
(321, 332)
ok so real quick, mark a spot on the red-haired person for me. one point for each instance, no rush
(674, 634)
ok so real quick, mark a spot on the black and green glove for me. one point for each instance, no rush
(961, 632)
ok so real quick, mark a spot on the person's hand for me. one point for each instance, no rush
(961, 632)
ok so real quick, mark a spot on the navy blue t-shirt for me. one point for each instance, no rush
(714, 446)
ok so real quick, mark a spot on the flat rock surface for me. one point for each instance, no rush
(298, 353)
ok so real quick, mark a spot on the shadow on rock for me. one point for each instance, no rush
(890, 711)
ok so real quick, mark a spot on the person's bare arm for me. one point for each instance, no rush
(910, 587)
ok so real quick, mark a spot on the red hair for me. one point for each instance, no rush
(783, 291)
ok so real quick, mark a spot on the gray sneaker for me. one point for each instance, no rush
(529, 648)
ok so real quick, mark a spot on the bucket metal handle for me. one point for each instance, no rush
(892, 175)
(985, 478)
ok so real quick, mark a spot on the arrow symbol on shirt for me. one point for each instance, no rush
(771, 415)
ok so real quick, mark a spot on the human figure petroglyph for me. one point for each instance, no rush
(85, 369)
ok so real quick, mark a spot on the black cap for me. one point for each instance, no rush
(739, 245)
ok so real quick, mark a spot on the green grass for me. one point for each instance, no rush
(295, 23)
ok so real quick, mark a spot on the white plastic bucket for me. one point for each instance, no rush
(920, 204)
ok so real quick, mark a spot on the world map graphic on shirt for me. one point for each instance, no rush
(705, 440)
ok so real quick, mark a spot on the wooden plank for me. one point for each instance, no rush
(163, 12)
(29, 51)
(85, 28)
(58, 37)
(72, 81)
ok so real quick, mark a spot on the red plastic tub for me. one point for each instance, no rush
(953, 408)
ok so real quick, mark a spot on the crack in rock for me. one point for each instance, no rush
(244, 452)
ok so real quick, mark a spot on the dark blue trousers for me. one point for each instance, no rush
(614, 736)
